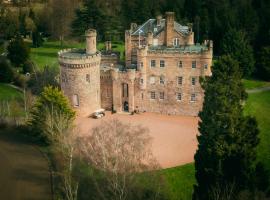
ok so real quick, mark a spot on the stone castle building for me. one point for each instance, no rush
(161, 72)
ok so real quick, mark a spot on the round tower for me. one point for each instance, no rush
(80, 76)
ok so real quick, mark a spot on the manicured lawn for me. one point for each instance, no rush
(258, 105)
(47, 53)
(252, 84)
(180, 181)
(7, 92)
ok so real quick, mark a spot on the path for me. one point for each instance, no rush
(23, 172)
(256, 90)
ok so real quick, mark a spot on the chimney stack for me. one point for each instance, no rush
(108, 45)
(159, 18)
(150, 38)
(91, 37)
(169, 29)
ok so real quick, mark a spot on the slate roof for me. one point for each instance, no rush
(197, 48)
(151, 26)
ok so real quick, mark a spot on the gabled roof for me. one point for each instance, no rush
(151, 26)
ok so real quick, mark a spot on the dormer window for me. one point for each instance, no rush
(176, 42)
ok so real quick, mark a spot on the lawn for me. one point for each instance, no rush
(8, 93)
(252, 84)
(47, 53)
(258, 105)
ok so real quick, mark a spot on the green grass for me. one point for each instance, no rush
(8, 93)
(252, 84)
(180, 181)
(47, 53)
(258, 105)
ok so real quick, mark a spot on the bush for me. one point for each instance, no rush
(6, 72)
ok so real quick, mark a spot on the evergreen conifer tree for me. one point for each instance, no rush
(226, 152)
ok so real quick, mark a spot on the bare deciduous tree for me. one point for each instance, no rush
(61, 131)
(121, 152)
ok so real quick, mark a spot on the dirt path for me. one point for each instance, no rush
(23, 172)
(256, 90)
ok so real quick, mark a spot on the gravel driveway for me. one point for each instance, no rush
(174, 137)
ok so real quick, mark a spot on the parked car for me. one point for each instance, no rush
(99, 114)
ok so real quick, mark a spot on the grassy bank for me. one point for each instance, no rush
(252, 84)
(9, 93)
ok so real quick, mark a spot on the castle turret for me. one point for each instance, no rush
(80, 76)
(91, 46)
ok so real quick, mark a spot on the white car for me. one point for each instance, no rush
(99, 114)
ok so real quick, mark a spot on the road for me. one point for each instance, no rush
(24, 173)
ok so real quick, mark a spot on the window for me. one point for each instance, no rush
(193, 97)
(152, 80)
(88, 78)
(205, 66)
(141, 81)
(161, 95)
(176, 42)
(194, 64)
(141, 65)
(179, 80)
(162, 63)
(75, 100)
(142, 95)
(153, 95)
(193, 81)
(153, 63)
(180, 64)
(179, 96)
(162, 80)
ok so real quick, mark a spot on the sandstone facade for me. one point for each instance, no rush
(161, 72)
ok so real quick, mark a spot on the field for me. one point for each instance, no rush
(252, 84)
(47, 54)
(9, 93)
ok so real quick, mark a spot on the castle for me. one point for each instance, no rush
(161, 72)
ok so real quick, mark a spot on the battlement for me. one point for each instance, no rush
(78, 58)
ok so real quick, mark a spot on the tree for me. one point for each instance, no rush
(18, 51)
(227, 142)
(6, 72)
(62, 16)
(48, 111)
(88, 16)
(118, 152)
(48, 76)
(264, 63)
(235, 44)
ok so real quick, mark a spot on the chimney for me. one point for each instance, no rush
(91, 37)
(108, 45)
(159, 18)
(169, 29)
(133, 26)
(150, 38)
